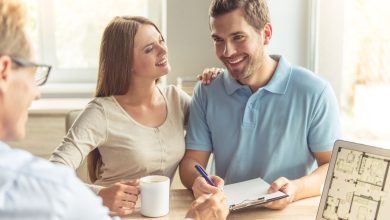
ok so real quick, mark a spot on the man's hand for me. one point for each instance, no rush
(201, 187)
(285, 185)
(121, 197)
(211, 206)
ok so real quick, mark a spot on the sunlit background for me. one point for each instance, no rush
(67, 35)
(366, 71)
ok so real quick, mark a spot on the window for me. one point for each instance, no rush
(67, 34)
(366, 71)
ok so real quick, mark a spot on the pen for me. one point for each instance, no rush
(204, 175)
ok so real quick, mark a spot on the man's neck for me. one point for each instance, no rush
(262, 75)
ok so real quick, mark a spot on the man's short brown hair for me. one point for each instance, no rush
(255, 11)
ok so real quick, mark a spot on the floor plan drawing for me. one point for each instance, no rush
(359, 188)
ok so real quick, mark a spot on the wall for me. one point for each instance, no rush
(291, 30)
(330, 43)
(191, 48)
(188, 37)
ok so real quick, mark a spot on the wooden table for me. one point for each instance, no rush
(181, 199)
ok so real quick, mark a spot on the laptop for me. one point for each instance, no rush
(357, 184)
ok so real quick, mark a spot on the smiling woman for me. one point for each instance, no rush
(133, 127)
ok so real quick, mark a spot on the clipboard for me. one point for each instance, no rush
(250, 193)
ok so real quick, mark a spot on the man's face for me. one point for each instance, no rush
(17, 90)
(238, 45)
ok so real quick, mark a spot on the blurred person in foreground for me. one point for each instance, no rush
(30, 187)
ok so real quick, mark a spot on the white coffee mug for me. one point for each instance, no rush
(154, 195)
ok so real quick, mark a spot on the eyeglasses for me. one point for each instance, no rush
(41, 73)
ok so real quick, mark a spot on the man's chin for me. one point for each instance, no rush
(237, 75)
(233, 73)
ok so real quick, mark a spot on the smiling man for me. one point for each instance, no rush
(263, 117)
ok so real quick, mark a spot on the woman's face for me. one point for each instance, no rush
(150, 54)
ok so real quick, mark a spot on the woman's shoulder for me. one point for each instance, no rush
(98, 106)
(102, 100)
(173, 93)
(102, 103)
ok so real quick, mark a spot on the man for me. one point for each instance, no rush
(32, 188)
(263, 117)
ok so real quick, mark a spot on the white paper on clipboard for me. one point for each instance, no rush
(250, 193)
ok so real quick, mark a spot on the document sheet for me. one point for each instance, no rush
(249, 193)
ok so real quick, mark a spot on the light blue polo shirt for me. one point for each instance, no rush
(270, 133)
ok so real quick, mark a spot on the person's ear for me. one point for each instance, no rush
(5, 70)
(267, 33)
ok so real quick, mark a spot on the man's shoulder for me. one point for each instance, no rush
(19, 164)
(25, 174)
(32, 183)
(305, 80)
(216, 87)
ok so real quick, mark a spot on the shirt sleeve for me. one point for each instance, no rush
(37, 189)
(325, 126)
(83, 204)
(87, 132)
(198, 136)
(95, 188)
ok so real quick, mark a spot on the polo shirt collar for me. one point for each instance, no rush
(278, 83)
(231, 85)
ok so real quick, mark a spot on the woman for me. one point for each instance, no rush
(133, 127)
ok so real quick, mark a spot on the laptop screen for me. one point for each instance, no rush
(357, 184)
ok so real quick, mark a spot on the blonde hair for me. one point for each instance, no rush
(115, 64)
(13, 39)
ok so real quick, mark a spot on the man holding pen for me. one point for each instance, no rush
(262, 117)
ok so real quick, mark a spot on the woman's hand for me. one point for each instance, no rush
(209, 74)
(121, 197)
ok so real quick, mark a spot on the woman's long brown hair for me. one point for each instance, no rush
(115, 64)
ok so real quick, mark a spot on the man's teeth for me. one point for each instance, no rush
(236, 60)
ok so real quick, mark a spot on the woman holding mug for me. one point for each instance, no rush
(133, 127)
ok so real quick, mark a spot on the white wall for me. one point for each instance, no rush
(291, 30)
(188, 37)
(330, 43)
